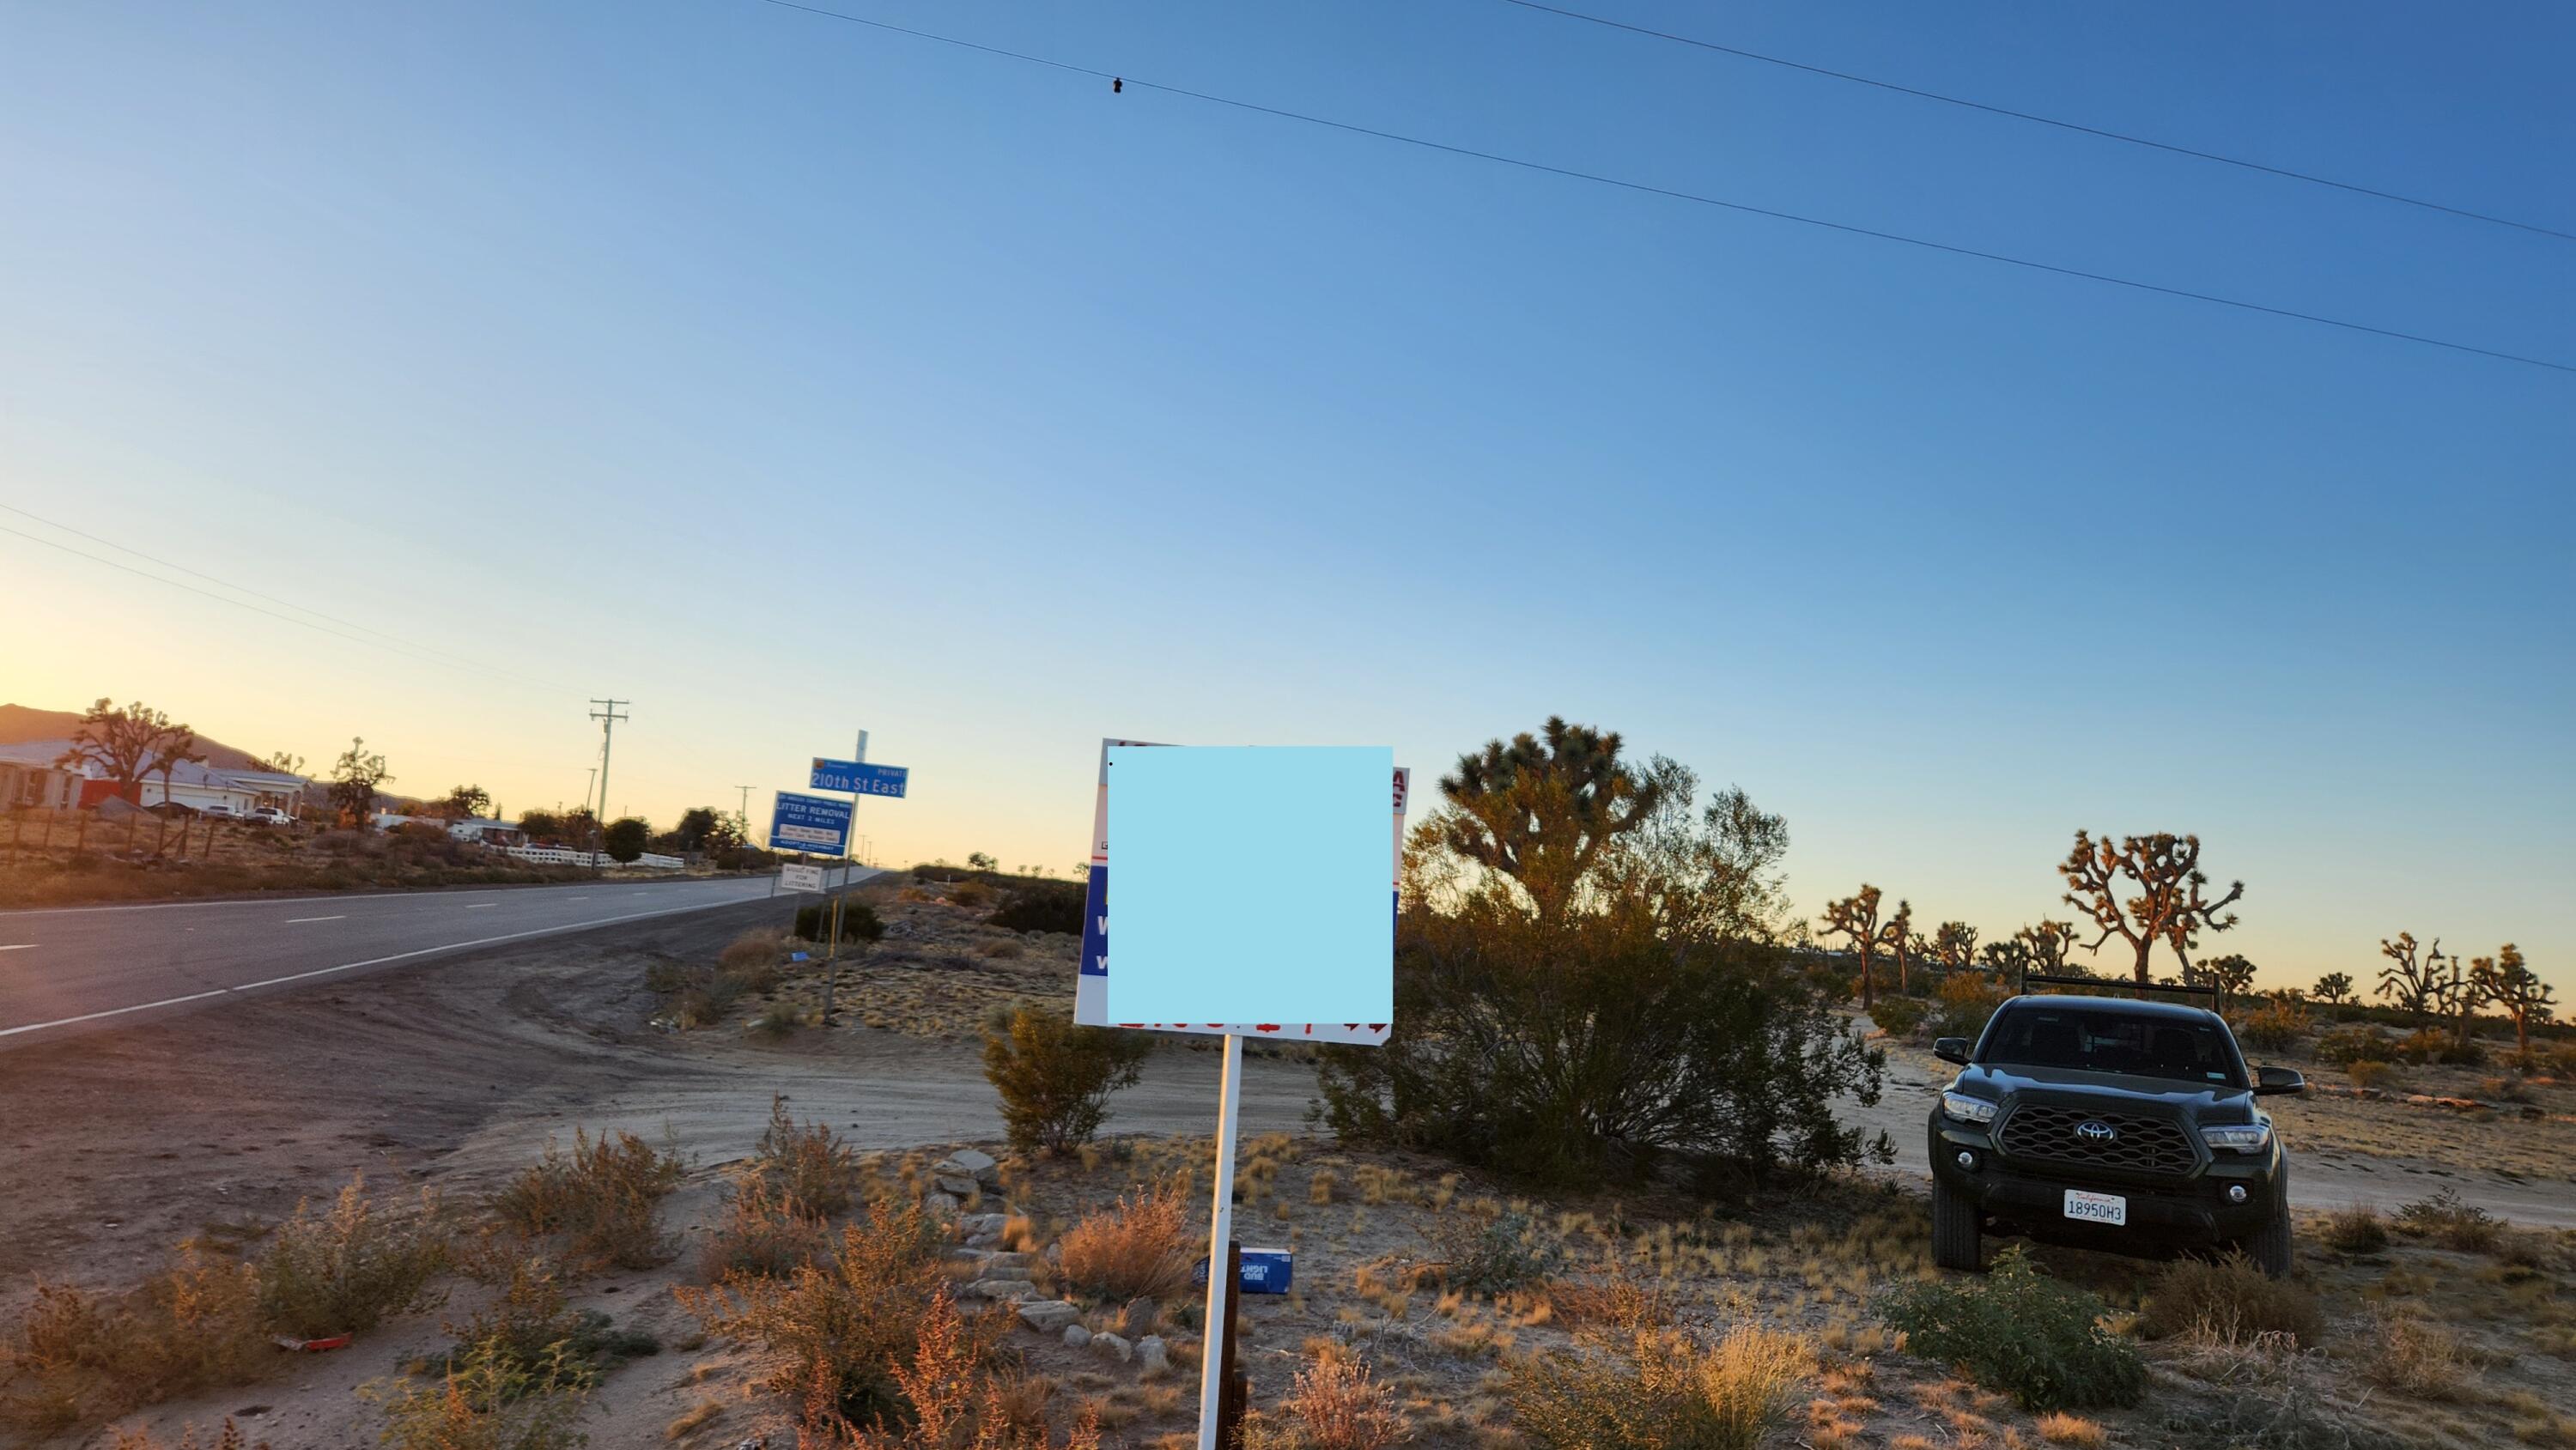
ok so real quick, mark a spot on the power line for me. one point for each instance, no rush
(397, 647)
(1128, 82)
(2078, 127)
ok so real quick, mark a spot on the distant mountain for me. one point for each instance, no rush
(20, 724)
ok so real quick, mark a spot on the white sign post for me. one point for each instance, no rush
(800, 878)
(1091, 1007)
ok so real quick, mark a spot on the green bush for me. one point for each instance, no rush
(487, 1402)
(1043, 906)
(345, 1270)
(1496, 1256)
(2354, 1042)
(1055, 1077)
(859, 922)
(2273, 1027)
(2022, 1332)
(1900, 1015)
(2451, 1221)
(603, 1199)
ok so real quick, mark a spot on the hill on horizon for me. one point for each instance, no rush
(22, 723)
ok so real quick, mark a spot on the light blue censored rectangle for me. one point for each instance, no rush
(1251, 884)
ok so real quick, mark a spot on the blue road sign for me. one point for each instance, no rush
(809, 823)
(858, 777)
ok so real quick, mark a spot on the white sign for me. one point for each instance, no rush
(1091, 979)
(800, 878)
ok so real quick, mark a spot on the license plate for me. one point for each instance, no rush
(2108, 1208)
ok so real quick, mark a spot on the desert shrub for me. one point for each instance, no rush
(1139, 1248)
(2274, 1027)
(1055, 1075)
(1621, 1301)
(530, 1327)
(2228, 1301)
(948, 1392)
(348, 1268)
(859, 922)
(2505, 1089)
(1496, 1255)
(486, 1402)
(75, 1357)
(2451, 1221)
(1589, 1048)
(1055, 906)
(752, 951)
(1963, 1003)
(1332, 1404)
(1900, 1015)
(2414, 1356)
(778, 1019)
(765, 1231)
(809, 1164)
(832, 1332)
(1667, 1392)
(230, 1437)
(2020, 1331)
(2060, 1428)
(603, 1199)
(2354, 1042)
(2369, 1073)
(2356, 1229)
(2429, 1044)
(1001, 951)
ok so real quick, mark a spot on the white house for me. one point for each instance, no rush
(190, 783)
(29, 779)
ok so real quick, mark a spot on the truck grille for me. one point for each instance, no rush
(2049, 1132)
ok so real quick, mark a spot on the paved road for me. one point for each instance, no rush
(73, 967)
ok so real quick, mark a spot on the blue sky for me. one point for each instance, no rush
(787, 375)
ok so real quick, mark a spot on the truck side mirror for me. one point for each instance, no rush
(2272, 1080)
(1955, 1049)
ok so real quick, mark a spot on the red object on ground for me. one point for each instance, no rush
(314, 1346)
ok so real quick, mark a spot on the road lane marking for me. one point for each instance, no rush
(20, 947)
(298, 920)
(353, 966)
(293, 901)
(479, 905)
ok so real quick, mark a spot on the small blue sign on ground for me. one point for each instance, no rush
(1265, 1271)
(809, 823)
(859, 777)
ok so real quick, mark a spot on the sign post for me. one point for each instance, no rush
(1213, 1367)
(859, 778)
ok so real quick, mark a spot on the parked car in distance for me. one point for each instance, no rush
(272, 816)
(217, 809)
(171, 809)
(2128, 1126)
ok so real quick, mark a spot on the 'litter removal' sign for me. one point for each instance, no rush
(813, 824)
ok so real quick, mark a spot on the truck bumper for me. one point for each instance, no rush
(2031, 1197)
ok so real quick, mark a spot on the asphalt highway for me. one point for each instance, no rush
(68, 968)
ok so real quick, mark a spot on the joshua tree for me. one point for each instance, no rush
(129, 744)
(1856, 917)
(176, 749)
(1955, 946)
(1904, 944)
(2333, 988)
(2504, 980)
(2170, 904)
(354, 778)
(2231, 974)
(1541, 810)
(2412, 981)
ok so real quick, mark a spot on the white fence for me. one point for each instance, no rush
(558, 856)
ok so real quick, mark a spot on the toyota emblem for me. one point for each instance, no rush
(2094, 1132)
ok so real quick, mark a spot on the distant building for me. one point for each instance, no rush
(472, 828)
(190, 783)
(29, 779)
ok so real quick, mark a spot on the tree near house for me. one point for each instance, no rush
(127, 744)
(462, 803)
(2412, 981)
(2170, 903)
(1541, 809)
(2508, 982)
(354, 779)
(697, 828)
(2334, 988)
(625, 839)
(1855, 918)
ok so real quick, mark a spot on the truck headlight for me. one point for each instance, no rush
(1967, 1109)
(2242, 1137)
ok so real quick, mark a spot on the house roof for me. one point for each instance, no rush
(187, 772)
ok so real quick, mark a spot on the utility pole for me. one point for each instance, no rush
(607, 717)
(743, 817)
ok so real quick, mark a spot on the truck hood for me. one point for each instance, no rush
(1999, 1081)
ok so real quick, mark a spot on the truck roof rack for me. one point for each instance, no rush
(2111, 984)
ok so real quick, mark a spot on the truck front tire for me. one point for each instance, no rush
(1957, 1230)
(2270, 1245)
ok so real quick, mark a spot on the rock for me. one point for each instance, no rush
(971, 1164)
(961, 1184)
(1075, 1336)
(1152, 1355)
(939, 1203)
(1046, 1316)
(1140, 1317)
(1009, 1289)
(982, 1223)
(977, 1256)
(1111, 1346)
(982, 1241)
(1005, 1263)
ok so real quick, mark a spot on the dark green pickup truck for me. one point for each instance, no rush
(2130, 1126)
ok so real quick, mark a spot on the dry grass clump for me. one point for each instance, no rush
(603, 1199)
(2060, 1428)
(765, 1232)
(1333, 1404)
(1621, 1301)
(2370, 1072)
(2448, 1220)
(810, 1165)
(486, 1401)
(1141, 1248)
(76, 1357)
(1666, 1391)
(2228, 1301)
(956, 1400)
(750, 953)
(230, 1437)
(836, 1328)
(346, 1270)
(2356, 1229)
(2414, 1356)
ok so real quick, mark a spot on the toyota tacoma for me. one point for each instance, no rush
(2108, 1123)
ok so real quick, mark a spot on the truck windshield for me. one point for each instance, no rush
(2098, 1040)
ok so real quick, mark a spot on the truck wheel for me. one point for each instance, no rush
(1955, 1230)
(2271, 1243)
